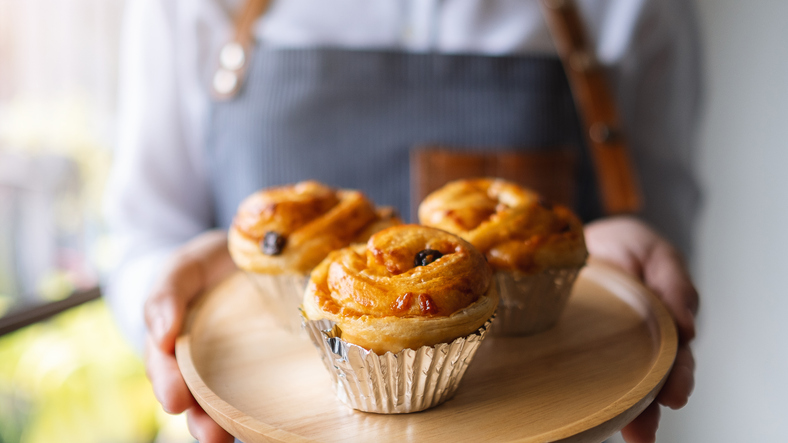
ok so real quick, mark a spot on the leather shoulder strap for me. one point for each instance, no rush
(618, 184)
(233, 57)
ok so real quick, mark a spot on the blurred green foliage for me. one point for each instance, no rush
(74, 379)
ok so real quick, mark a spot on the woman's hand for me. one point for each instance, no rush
(633, 246)
(199, 264)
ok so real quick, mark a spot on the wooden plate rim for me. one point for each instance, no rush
(610, 418)
(631, 404)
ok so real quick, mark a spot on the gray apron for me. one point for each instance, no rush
(350, 118)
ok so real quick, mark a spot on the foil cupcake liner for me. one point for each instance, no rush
(282, 295)
(531, 303)
(411, 380)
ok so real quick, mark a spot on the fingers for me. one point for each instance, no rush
(674, 394)
(204, 429)
(639, 250)
(681, 380)
(636, 248)
(168, 385)
(165, 308)
(643, 429)
(665, 273)
(173, 394)
(199, 264)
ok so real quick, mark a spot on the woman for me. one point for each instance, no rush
(342, 91)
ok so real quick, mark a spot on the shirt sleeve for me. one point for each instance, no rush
(656, 76)
(158, 194)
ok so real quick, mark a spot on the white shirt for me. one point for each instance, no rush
(159, 196)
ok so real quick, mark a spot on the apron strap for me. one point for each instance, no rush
(616, 177)
(617, 181)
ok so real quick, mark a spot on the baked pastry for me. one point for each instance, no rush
(279, 234)
(410, 289)
(383, 301)
(535, 248)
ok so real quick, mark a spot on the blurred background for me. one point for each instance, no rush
(71, 376)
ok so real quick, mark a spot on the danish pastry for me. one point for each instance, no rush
(535, 248)
(398, 320)
(279, 234)
(409, 286)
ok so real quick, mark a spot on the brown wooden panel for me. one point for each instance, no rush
(552, 172)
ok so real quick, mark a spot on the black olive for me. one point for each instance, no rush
(427, 256)
(273, 243)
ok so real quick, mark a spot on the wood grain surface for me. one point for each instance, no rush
(581, 381)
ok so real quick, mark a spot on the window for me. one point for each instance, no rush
(72, 375)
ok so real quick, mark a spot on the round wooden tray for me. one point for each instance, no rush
(583, 380)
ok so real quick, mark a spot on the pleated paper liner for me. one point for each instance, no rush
(282, 295)
(531, 303)
(409, 381)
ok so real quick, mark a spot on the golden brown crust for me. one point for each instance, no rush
(383, 302)
(511, 225)
(313, 219)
